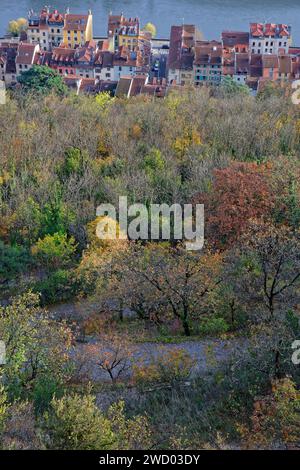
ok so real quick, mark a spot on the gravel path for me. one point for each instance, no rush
(208, 355)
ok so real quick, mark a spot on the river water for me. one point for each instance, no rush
(211, 16)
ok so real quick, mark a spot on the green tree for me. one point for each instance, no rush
(54, 251)
(36, 346)
(231, 87)
(43, 80)
(13, 260)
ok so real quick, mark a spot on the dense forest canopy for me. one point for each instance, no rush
(61, 155)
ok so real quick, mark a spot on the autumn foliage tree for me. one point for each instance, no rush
(266, 271)
(171, 281)
(275, 420)
(239, 193)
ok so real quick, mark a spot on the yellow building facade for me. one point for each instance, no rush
(78, 30)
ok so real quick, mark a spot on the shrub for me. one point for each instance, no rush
(213, 326)
(21, 431)
(59, 286)
(13, 261)
(75, 423)
(131, 434)
(45, 388)
(168, 366)
(3, 408)
(275, 419)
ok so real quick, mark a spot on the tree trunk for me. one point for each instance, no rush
(277, 364)
(121, 311)
(185, 322)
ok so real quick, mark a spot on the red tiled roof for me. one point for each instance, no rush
(26, 53)
(269, 29)
(182, 40)
(235, 38)
(76, 22)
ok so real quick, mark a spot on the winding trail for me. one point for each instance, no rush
(208, 354)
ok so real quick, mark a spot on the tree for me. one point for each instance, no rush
(231, 87)
(151, 28)
(114, 355)
(266, 272)
(36, 345)
(54, 251)
(15, 27)
(169, 281)
(43, 80)
(239, 193)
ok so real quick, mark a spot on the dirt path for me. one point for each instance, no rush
(207, 353)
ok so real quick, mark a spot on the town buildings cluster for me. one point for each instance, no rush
(265, 53)
(128, 61)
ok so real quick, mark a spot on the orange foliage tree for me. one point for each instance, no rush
(239, 193)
